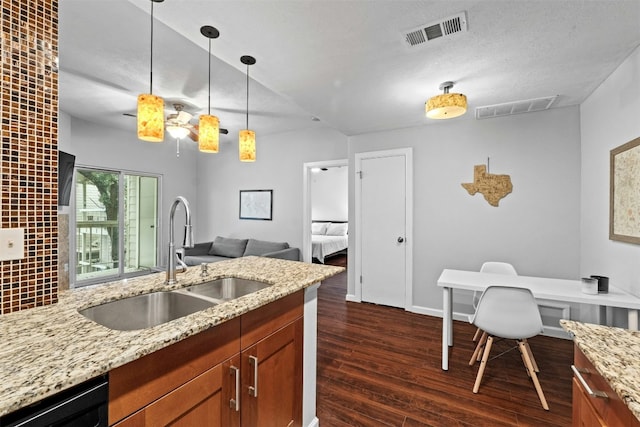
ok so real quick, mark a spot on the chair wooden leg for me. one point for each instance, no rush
(483, 364)
(477, 334)
(522, 346)
(533, 360)
(477, 353)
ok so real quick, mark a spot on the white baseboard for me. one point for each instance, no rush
(314, 423)
(352, 298)
(549, 331)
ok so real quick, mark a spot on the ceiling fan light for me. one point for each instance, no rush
(177, 131)
(446, 106)
(247, 146)
(150, 118)
(208, 134)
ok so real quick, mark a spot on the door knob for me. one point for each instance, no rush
(400, 239)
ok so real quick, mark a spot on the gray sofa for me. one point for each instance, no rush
(223, 248)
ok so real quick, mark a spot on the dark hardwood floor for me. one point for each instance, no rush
(381, 366)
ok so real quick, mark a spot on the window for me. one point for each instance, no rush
(116, 223)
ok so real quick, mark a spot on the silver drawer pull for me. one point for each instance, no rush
(235, 403)
(253, 390)
(578, 373)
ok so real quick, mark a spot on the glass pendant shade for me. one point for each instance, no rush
(446, 106)
(208, 134)
(247, 146)
(150, 118)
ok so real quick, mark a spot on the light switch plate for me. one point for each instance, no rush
(11, 243)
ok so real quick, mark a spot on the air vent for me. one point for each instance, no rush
(435, 30)
(516, 107)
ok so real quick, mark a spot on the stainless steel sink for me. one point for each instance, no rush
(225, 289)
(145, 311)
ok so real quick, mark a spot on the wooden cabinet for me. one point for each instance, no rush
(603, 407)
(245, 372)
(272, 379)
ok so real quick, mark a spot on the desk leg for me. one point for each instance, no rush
(633, 319)
(447, 325)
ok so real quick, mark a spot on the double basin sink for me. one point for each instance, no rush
(156, 308)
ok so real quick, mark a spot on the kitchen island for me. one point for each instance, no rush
(49, 349)
(613, 354)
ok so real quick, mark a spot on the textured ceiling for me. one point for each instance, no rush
(344, 62)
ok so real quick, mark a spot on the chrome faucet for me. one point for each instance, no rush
(188, 240)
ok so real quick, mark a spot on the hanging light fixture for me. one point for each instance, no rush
(151, 107)
(247, 142)
(208, 125)
(447, 105)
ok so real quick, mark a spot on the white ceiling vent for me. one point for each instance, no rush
(442, 28)
(515, 107)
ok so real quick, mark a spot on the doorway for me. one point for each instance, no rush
(384, 227)
(333, 215)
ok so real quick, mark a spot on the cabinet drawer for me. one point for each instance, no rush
(611, 410)
(137, 384)
(259, 323)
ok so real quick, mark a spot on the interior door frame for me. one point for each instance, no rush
(306, 201)
(408, 156)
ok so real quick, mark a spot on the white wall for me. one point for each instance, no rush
(99, 146)
(329, 194)
(610, 117)
(536, 227)
(279, 167)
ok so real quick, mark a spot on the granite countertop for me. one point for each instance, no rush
(614, 353)
(48, 349)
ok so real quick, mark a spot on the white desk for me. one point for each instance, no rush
(542, 288)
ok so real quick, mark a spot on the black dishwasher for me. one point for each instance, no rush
(84, 405)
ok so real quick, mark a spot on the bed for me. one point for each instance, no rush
(328, 238)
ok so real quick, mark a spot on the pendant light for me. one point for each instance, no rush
(447, 105)
(208, 125)
(247, 142)
(151, 107)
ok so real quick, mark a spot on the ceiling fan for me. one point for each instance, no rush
(179, 124)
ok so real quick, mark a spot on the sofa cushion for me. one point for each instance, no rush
(231, 248)
(259, 247)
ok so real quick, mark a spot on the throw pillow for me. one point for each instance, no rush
(231, 248)
(260, 247)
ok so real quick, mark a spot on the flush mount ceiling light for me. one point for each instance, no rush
(446, 106)
(247, 140)
(151, 107)
(208, 125)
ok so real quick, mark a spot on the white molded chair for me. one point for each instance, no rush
(494, 267)
(510, 313)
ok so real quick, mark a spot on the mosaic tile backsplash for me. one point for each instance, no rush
(29, 111)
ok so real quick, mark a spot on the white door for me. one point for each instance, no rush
(384, 208)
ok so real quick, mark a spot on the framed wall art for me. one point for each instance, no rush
(256, 204)
(624, 195)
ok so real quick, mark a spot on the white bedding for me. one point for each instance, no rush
(323, 246)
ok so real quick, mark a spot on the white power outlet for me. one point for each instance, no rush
(11, 243)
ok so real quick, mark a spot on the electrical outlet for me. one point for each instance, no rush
(11, 243)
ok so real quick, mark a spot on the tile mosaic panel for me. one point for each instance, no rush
(29, 114)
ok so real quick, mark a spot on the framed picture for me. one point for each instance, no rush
(624, 195)
(256, 204)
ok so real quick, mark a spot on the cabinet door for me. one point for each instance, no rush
(232, 392)
(272, 379)
(584, 415)
(196, 403)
